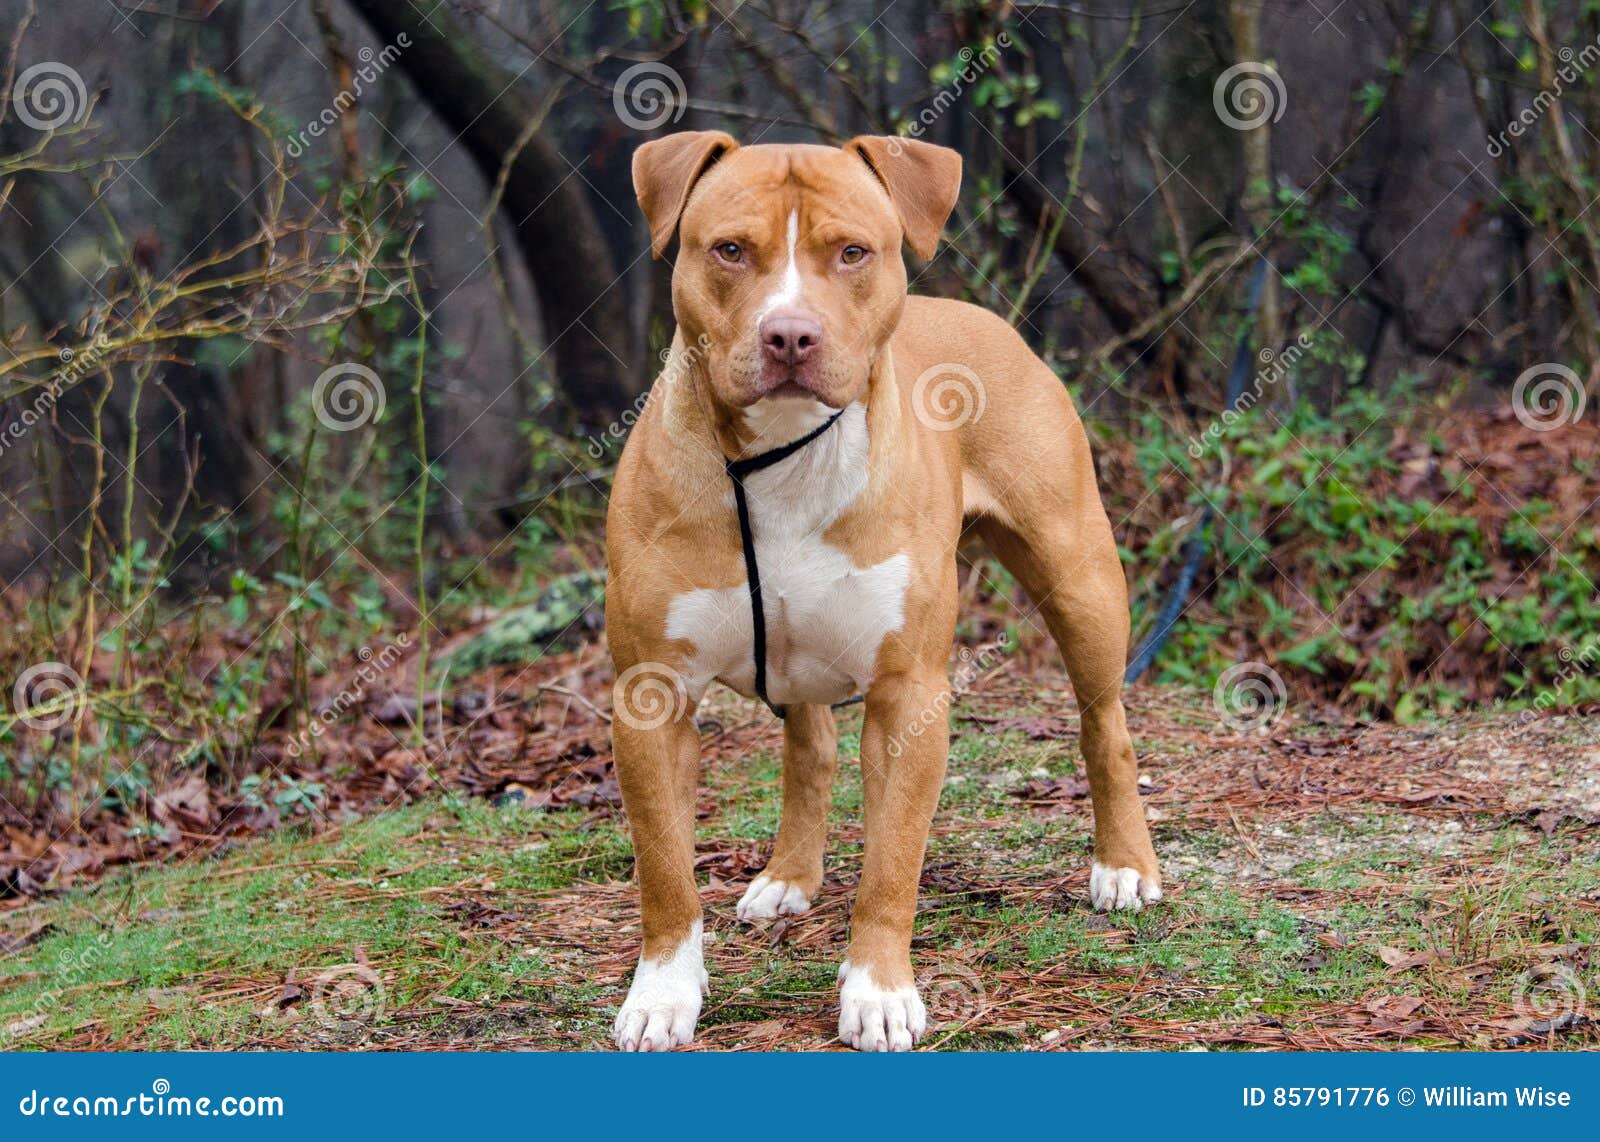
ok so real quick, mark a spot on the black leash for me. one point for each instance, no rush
(737, 471)
(1194, 551)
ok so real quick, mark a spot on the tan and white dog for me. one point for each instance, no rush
(789, 291)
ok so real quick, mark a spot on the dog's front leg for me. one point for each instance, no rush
(904, 743)
(658, 768)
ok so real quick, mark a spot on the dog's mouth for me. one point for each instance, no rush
(789, 381)
(790, 389)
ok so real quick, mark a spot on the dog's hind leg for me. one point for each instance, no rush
(1074, 578)
(794, 874)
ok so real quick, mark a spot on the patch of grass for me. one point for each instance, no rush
(454, 922)
(126, 954)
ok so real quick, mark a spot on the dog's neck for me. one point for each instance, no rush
(773, 422)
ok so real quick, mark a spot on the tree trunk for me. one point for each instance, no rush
(219, 403)
(1244, 20)
(1107, 288)
(585, 319)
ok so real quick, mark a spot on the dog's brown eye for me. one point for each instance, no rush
(729, 251)
(850, 255)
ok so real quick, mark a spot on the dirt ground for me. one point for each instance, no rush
(1330, 885)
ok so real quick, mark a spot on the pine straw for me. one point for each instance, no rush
(1202, 781)
(594, 931)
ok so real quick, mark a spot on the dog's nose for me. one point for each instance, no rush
(789, 338)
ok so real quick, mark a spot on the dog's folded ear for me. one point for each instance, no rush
(922, 179)
(665, 171)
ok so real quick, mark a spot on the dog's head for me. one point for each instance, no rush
(789, 271)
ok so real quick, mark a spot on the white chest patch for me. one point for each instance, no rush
(825, 617)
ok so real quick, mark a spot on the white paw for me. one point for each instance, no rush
(664, 1001)
(767, 899)
(1116, 889)
(874, 1019)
